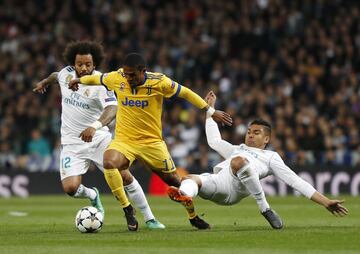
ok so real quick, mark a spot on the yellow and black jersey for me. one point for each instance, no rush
(139, 112)
(139, 115)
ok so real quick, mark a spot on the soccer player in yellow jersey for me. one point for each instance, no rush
(138, 133)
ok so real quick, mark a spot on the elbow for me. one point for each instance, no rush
(214, 144)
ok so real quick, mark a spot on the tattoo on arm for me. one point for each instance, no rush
(108, 115)
(52, 79)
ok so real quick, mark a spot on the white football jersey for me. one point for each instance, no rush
(265, 162)
(81, 108)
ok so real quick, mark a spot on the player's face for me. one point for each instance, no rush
(134, 76)
(256, 136)
(84, 65)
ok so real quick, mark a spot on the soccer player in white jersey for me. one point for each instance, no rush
(84, 132)
(239, 175)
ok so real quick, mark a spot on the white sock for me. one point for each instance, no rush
(84, 192)
(189, 188)
(249, 177)
(136, 194)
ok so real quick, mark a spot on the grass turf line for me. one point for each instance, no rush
(49, 228)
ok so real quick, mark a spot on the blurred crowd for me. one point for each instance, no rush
(294, 63)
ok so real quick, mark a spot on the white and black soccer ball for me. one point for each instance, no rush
(89, 219)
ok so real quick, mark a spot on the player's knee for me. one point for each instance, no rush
(110, 163)
(196, 179)
(245, 172)
(237, 163)
(70, 189)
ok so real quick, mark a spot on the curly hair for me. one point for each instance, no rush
(93, 48)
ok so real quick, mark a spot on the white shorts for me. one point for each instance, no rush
(75, 159)
(222, 188)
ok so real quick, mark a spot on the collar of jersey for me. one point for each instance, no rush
(142, 83)
(145, 76)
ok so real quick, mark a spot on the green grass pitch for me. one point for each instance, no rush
(49, 227)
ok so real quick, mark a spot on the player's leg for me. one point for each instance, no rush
(157, 158)
(184, 194)
(137, 196)
(73, 187)
(250, 178)
(72, 167)
(189, 188)
(190, 185)
(113, 162)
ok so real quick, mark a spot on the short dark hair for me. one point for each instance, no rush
(93, 48)
(135, 60)
(262, 122)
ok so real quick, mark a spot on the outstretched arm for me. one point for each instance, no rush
(106, 117)
(213, 136)
(333, 206)
(86, 80)
(41, 86)
(196, 100)
(288, 176)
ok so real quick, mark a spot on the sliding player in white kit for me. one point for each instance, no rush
(239, 175)
(84, 132)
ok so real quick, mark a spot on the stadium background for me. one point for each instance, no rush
(294, 63)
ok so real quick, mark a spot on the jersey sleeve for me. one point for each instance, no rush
(64, 75)
(170, 88)
(213, 136)
(59, 77)
(107, 97)
(284, 173)
(192, 97)
(109, 80)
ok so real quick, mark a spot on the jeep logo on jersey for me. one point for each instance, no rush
(135, 103)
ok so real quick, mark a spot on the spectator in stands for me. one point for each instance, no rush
(293, 63)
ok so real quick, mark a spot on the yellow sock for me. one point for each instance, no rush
(190, 211)
(115, 182)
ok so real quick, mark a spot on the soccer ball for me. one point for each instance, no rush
(89, 220)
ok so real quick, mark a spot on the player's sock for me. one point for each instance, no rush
(250, 179)
(190, 209)
(189, 188)
(115, 182)
(136, 194)
(85, 192)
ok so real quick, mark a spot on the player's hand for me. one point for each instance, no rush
(336, 208)
(87, 134)
(40, 87)
(222, 117)
(74, 84)
(210, 98)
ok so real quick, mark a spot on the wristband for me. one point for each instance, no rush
(210, 111)
(96, 125)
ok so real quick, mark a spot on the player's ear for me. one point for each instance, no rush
(267, 139)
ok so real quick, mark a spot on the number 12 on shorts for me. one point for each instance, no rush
(168, 167)
(65, 162)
